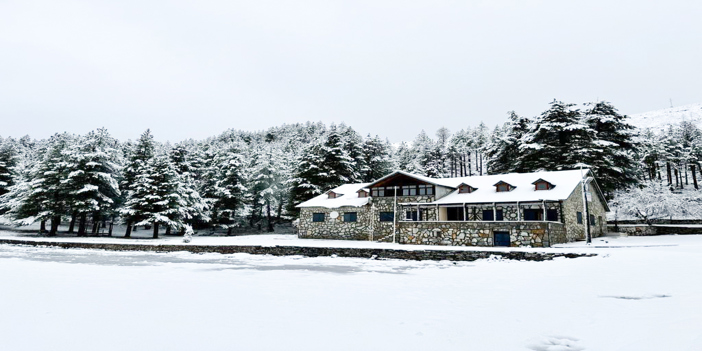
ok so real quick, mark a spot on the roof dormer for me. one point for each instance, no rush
(362, 193)
(464, 188)
(542, 184)
(333, 195)
(502, 186)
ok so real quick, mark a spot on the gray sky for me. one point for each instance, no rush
(191, 69)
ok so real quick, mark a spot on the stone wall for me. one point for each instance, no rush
(382, 231)
(438, 255)
(574, 204)
(335, 228)
(536, 234)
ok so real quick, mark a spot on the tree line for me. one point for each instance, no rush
(242, 179)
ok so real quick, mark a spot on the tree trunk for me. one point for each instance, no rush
(687, 182)
(229, 231)
(168, 230)
(55, 221)
(42, 226)
(182, 231)
(470, 171)
(81, 224)
(677, 184)
(96, 223)
(155, 230)
(128, 233)
(670, 175)
(72, 224)
(270, 218)
(694, 177)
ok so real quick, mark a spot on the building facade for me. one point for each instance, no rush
(518, 209)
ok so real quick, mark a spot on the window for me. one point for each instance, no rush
(552, 215)
(541, 186)
(580, 217)
(378, 192)
(411, 215)
(498, 215)
(387, 216)
(409, 190)
(531, 214)
(318, 217)
(425, 189)
(454, 213)
(350, 216)
(502, 187)
(592, 219)
(389, 191)
(488, 215)
(465, 189)
(362, 193)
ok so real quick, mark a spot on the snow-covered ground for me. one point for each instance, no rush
(639, 293)
(660, 119)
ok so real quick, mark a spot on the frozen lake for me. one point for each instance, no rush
(638, 294)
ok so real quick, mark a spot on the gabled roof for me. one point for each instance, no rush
(566, 182)
(503, 182)
(415, 176)
(341, 201)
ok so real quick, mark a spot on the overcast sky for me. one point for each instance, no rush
(192, 69)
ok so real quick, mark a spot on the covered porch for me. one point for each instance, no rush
(532, 211)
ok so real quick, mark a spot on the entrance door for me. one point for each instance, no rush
(501, 239)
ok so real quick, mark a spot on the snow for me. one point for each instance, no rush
(349, 197)
(660, 119)
(565, 183)
(639, 296)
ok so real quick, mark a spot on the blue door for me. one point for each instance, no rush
(502, 239)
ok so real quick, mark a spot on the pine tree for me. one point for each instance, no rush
(377, 158)
(156, 196)
(504, 152)
(615, 166)
(139, 159)
(229, 192)
(8, 161)
(557, 140)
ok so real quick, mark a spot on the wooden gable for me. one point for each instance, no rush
(542, 184)
(502, 186)
(466, 189)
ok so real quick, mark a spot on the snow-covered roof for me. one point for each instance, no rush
(434, 181)
(348, 199)
(565, 182)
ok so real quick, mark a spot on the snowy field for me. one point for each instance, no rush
(640, 293)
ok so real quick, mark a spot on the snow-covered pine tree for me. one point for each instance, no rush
(156, 196)
(307, 181)
(91, 180)
(353, 145)
(48, 192)
(194, 207)
(139, 159)
(549, 144)
(8, 161)
(377, 157)
(504, 153)
(229, 192)
(616, 165)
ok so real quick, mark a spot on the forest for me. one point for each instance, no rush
(242, 180)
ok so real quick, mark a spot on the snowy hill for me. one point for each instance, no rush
(661, 118)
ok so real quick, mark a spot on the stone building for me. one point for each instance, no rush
(516, 209)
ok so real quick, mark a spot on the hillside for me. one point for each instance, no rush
(674, 115)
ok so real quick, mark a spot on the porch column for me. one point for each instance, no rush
(519, 213)
(438, 218)
(465, 214)
(494, 212)
(419, 218)
(543, 203)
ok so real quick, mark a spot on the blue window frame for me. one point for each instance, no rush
(387, 216)
(350, 217)
(318, 217)
(580, 217)
(488, 215)
(499, 215)
(552, 215)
